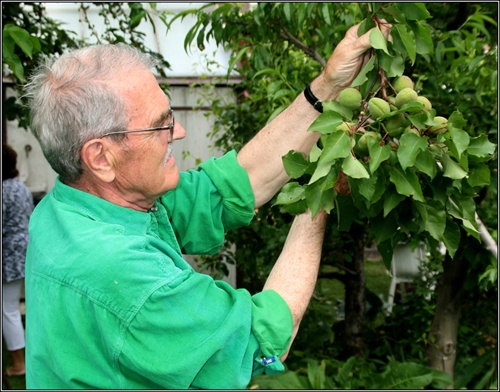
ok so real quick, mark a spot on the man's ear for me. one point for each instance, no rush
(96, 156)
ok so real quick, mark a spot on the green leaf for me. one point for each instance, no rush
(315, 153)
(426, 164)
(481, 147)
(365, 26)
(291, 193)
(406, 375)
(406, 183)
(136, 16)
(287, 11)
(407, 40)
(325, 10)
(423, 38)
(10, 58)
(386, 250)
(414, 11)
(378, 41)
(479, 176)
(471, 228)
(322, 169)
(419, 120)
(410, 145)
(457, 120)
(361, 78)
(295, 164)
(21, 37)
(372, 188)
(316, 374)
(354, 168)
(461, 207)
(460, 139)
(378, 154)
(392, 65)
(234, 59)
(397, 14)
(391, 201)
(336, 145)
(338, 108)
(384, 229)
(451, 237)
(321, 194)
(452, 169)
(316, 199)
(326, 122)
(434, 219)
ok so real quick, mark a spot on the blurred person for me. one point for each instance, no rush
(112, 304)
(17, 206)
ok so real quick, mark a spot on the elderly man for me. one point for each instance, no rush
(111, 303)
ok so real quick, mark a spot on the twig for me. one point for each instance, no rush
(306, 49)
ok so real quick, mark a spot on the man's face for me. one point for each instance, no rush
(146, 168)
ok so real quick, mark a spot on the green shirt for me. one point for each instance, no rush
(111, 303)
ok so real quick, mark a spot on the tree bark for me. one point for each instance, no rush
(442, 340)
(355, 294)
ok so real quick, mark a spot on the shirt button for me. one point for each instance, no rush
(153, 209)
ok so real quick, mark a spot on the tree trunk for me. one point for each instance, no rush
(355, 294)
(442, 341)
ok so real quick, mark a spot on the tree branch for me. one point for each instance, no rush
(488, 240)
(302, 46)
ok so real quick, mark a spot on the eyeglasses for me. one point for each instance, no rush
(168, 127)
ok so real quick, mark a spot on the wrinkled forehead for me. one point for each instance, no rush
(143, 97)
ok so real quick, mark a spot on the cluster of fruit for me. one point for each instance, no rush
(387, 118)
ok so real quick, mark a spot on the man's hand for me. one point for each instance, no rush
(348, 58)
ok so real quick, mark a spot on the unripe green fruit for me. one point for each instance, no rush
(363, 142)
(350, 98)
(442, 123)
(436, 150)
(344, 127)
(410, 129)
(395, 125)
(402, 82)
(405, 96)
(424, 101)
(378, 107)
(392, 102)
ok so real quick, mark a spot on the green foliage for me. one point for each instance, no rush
(355, 373)
(432, 167)
(14, 36)
(409, 189)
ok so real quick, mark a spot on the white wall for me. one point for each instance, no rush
(170, 45)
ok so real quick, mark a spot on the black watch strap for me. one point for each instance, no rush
(312, 99)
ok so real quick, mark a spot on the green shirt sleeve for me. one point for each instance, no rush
(208, 202)
(210, 346)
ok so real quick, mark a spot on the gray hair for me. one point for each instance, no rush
(72, 100)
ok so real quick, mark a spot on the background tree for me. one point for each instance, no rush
(410, 187)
